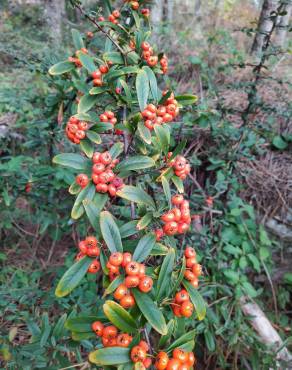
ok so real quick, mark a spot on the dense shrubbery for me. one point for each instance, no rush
(233, 248)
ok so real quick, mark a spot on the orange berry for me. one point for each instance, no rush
(197, 269)
(96, 74)
(147, 362)
(94, 267)
(177, 214)
(93, 252)
(180, 355)
(190, 262)
(132, 268)
(105, 158)
(98, 168)
(97, 327)
(161, 361)
(101, 188)
(146, 284)
(177, 310)
(144, 345)
(127, 301)
(138, 354)
(132, 281)
(110, 332)
(124, 340)
(116, 258)
(187, 309)
(189, 275)
(120, 292)
(191, 359)
(177, 199)
(142, 270)
(82, 246)
(173, 364)
(159, 234)
(195, 282)
(182, 296)
(190, 252)
(170, 228)
(95, 178)
(127, 258)
(116, 13)
(167, 217)
(145, 45)
(95, 157)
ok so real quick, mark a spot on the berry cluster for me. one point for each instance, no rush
(145, 12)
(75, 59)
(75, 130)
(109, 335)
(180, 166)
(114, 16)
(194, 269)
(89, 247)
(181, 305)
(139, 354)
(108, 117)
(148, 54)
(97, 75)
(178, 219)
(164, 64)
(135, 277)
(160, 114)
(180, 360)
(102, 175)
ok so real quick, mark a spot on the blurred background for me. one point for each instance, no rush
(236, 56)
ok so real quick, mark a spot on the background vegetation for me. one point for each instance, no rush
(238, 139)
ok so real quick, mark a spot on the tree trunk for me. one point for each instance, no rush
(157, 15)
(282, 27)
(264, 26)
(54, 13)
(170, 6)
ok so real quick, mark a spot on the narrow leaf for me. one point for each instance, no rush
(144, 247)
(71, 160)
(165, 274)
(196, 298)
(136, 195)
(110, 232)
(110, 356)
(61, 67)
(119, 317)
(142, 87)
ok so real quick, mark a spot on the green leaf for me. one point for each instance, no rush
(77, 39)
(114, 56)
(93, 208)
(137, 195)
(110, 232)
(71, 160)
(86, 102)
(144, 221)
(232, 276)
(152, 82)
(255, 262)
(150, 311)
(166, 189)
(279, 143)
(250, 290)
(144, 247)
(72, 277)
(181, 274)
(78, 337)
(61, 67)
(129, 229)
(116, 150)
(186, 99)
(196, 298)
(87, 62)
(102, 127)
(93, 136)
(74, 188)
(163, 135)
(113, 285)
(178, 149)
(59, 327)
(110, 356)
(189, 336)
(86, 193)
(126, 89)
(178, 184)
(98, 90)
(81, 324)
(142, 87)
(144, 132)
(136, 162)
(119, 317)
(165, 338)
(165, 274)
(159, 250)
(87, 147)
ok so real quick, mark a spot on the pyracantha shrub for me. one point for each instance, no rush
(129, 189)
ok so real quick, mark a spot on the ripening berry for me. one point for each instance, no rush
(145, 45)
(182, 296)
(183, 227)
(89, 34)
(127, 258)
(94, 267)
(191, 359)
(184, 367)
(189, 275)
(80, 134)
(132, 281)
(144, 345)
(146, 284)
(124, 340)
(82, 247)
(116, 258)
(91, 241)
(177, 199)
(145, 12)
(177, 310)
(177, 214)
(161, 361)
(190, 252)
(159, 234)
(173, 364)
(167, 217)
(118, 90)
(96, 74)
(138, 354)
(116, 13)
(105, 158)
(170, 228)
(103, 69)
(120, 292)
(97, 327)
(93, 252)
(103, 117)
(127, 301)
(197, 269)
(135, 5)
(112, 268)
(152, 61)
(112, 18)
(195, 283)
(82, 180)
(95, 157)
(110, 332)
(187, 309)
(190, 262)
(83, 125)
(112, 190)
(147, 362)
(180, 355)
(132, 268)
